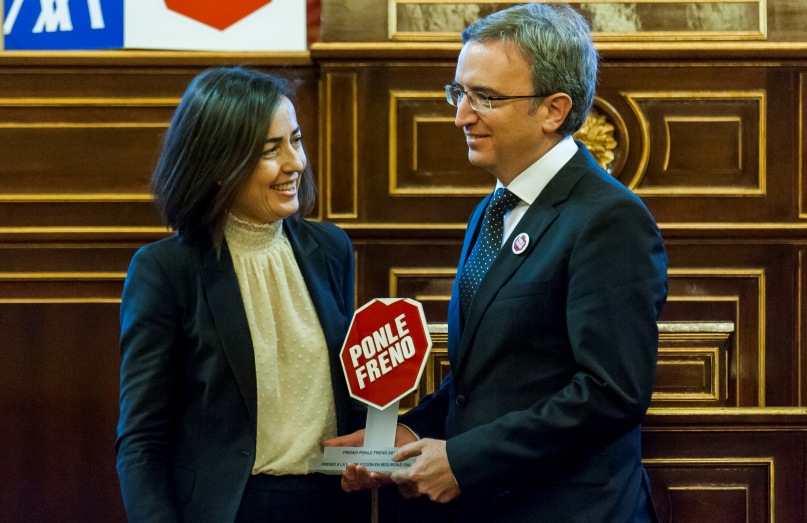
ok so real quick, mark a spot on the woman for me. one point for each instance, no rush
(230, 329)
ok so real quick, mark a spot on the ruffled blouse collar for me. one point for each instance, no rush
(244, 236)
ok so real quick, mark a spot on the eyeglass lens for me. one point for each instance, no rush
(454, 96)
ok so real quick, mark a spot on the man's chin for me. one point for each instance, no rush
(479, 160)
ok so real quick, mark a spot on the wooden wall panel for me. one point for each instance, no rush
(700, 143)
(59, 368)
(59, 408)
(417, 121)
(694, 370)
(411, 165)
(739, 295)
(80, 142)
(727, 464)
(340, 158)
(412, 268)
(752, 284)
(702, 151)
(736, 488)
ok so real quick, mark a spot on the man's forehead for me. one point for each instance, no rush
(486, 64)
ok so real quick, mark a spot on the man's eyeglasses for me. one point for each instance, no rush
(480, 101)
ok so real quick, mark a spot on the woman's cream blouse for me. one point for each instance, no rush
(295, 398)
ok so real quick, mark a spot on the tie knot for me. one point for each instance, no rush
(503, 201)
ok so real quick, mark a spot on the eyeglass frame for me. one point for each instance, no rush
(485, 99)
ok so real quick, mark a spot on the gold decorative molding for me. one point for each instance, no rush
(73, 277)
(351, 79)
(611, 20)
(800, 144)
(758, 278)
(77, 197)
(84, 230)
(739, 227)
(634, 100)
(712, 359)
(683, 51)
(25, 301)
(398, 273)
(63, 276)
(80, 104)
(104, 102)
(736, 226)
(395, 189)
(800, 332)
(766, 412)
(358, 261)
(701, 119)
(765, 463)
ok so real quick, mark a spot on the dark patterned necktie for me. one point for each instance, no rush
(487, 246)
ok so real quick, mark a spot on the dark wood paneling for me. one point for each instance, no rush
(58, 399)
(80, 142)
(412, 268)
(401, 113)
(694, 370)
(339, 161)
(727, 465)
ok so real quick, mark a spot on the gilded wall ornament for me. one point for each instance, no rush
(597, 133)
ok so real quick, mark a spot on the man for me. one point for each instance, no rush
(553, 356)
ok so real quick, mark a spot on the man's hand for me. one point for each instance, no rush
(430, 475)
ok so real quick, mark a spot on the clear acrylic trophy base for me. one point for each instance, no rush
(376, 454)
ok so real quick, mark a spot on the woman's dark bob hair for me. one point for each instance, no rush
(212, 147)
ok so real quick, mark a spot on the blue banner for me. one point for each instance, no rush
(63, 24)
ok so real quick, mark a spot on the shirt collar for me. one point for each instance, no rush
(529, 184)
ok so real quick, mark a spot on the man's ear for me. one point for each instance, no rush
(557, 106)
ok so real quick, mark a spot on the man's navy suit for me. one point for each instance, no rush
(187, 429)
(553, 369)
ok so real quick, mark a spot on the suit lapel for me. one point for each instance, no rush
(455, 320)
(540, 215)
(312, 263)
(226, 306)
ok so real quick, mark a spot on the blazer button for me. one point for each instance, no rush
(460, 400)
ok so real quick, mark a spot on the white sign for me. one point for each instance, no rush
(278, 26)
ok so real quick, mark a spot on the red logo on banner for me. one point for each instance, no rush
(385, 351)
(215, 13)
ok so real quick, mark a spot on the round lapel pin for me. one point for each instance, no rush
(520, 243)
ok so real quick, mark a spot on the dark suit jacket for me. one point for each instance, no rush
(188, 407)
(553, 369)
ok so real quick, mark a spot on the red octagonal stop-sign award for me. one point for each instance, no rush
(385, 350)
(215, 13)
